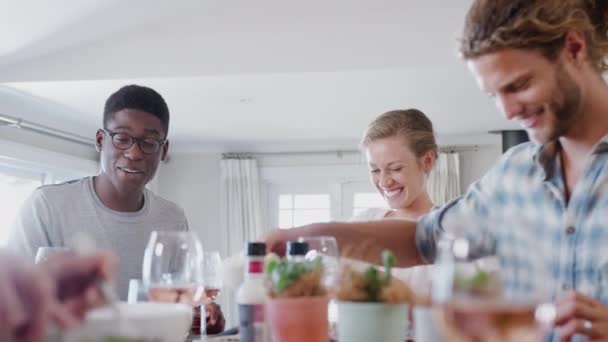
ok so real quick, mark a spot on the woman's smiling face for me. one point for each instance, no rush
(395, 171)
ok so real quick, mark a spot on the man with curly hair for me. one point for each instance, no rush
(542, 208)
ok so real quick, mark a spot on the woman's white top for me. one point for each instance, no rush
(418, 278)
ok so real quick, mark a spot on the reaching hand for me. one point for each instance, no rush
(275, 241)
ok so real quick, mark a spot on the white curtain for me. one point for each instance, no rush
(241, 218)
(444, 181)
(240, 203)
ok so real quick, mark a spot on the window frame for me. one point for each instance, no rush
(293, 210)
(349, 189)
(341, 197)
(275, 190)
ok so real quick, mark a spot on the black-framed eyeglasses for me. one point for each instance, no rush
(124, 141)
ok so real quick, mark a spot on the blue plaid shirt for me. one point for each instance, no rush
(519, 211)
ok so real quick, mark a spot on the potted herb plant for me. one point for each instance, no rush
(373, 305)
(297, 304)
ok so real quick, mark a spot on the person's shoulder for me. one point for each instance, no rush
(522, 151)
(67, 188)
(520, 157)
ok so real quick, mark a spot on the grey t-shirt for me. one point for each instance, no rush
(54, 213)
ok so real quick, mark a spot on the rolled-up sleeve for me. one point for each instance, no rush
(467, 216)
(429, 231)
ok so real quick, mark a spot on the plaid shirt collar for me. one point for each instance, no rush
(546, 155)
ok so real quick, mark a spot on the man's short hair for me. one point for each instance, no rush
(138, 98)
(541, 25)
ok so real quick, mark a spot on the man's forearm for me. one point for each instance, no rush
(366, 240)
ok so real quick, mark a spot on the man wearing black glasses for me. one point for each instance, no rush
(113, 207)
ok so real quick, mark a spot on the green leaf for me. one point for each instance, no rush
(272, 264)
(285, 273)
(388, 260)
(374, 285)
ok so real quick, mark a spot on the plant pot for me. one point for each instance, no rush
(298, 319)
(364, 322)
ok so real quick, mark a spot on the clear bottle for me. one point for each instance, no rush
(251, 296)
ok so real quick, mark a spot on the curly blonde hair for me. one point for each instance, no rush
(542, 25)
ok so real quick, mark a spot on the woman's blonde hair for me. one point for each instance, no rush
(411, 124)
(542, 25)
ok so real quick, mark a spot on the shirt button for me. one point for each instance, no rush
(570, 230)
(565, 287)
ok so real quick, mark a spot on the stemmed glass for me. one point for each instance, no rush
(475, 305)
(213, 275)
(173, 269)
(327, 248)
(213, 283)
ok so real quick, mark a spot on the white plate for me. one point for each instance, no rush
(159, 321)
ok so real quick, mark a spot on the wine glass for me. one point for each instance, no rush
(326, 247)
(44, 253)
(213, 283)
(137, 292)
(173, 270)
(475, 303)
(213, 275)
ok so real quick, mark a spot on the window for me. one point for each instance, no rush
(300, 209)
(292, 205)
(367, 200)
(358, 196)
(15, 188)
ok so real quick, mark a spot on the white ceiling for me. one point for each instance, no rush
(244, 75)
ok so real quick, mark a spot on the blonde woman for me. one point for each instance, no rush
(401, 150)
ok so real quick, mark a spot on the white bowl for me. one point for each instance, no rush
(159, 321)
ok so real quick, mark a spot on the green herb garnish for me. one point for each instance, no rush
(283, 274)
(375, 280)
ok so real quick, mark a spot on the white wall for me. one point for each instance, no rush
(474, 164)
(192, 181)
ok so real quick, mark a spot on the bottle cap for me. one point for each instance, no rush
(256, 249)
(297, 248)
